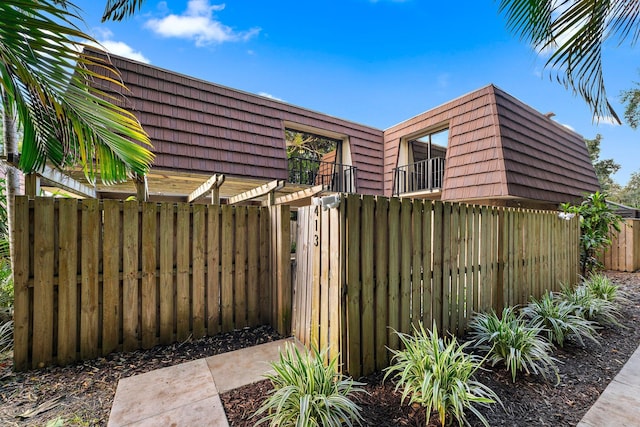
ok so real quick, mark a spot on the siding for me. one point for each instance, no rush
(473, 165)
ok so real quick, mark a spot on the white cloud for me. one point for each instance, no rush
(116, 47)
(268, 95)
(198, 23)
(606, 120)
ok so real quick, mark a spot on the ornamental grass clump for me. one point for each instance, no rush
(603, 288)
(309, 393)
(559, 319)
(439, 376)
(511, 340)
(590, 306)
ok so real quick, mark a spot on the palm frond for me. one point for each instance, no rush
(116, 10)
(47, 81)
(575, 32)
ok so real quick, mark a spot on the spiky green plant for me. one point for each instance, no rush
(589, 306)
(439, 376)
(309, 393)
(559, 319)
(511, 340)
(602, 287)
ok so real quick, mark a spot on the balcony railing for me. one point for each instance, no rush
(335, 176)
(426, 175)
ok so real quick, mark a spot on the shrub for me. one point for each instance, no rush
(596, 219)
(559, 319)
(589, 306)
(512, 340)
(309, 393)
(438, 376)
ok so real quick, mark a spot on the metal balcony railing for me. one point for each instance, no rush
(335, 176)
(426, 175)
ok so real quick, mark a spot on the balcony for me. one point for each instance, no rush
(334, 176)
(423, 176)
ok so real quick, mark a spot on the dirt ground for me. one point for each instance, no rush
(530, 401)
(82, 394)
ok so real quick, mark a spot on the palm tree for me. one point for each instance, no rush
(574, 31)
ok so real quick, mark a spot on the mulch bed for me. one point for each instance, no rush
(82, 394)
(584, 374)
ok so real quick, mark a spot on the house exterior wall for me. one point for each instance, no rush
(473, 167)
(200, 127)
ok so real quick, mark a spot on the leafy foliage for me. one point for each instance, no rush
(574, 33)
(559, 318)
(596, 219)
(603, 288)
(309, 393)
(45, 81)
(438, 376)
(511, 340)
(604, 167)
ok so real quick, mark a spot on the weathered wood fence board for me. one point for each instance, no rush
(624, 253)
(93, 277)
(407, 262)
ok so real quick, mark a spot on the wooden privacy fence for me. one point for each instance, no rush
(374, 265)
(92, 277)
(624, 253)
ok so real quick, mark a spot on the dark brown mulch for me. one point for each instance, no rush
(531, 400)
(82, 394)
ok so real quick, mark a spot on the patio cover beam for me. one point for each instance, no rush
(299, 195)
(67, 183)
(257, 192)
(212, 184)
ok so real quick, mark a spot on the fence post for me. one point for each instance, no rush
(280, 268)
(502, 235)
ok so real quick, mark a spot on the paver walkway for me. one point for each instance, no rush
(619, 403)
(187, 394)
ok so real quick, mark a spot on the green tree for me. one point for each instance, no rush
(631, 97)
(604, 168)
(575, 32)
(630, 193)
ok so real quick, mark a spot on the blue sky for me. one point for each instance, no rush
(374, 62)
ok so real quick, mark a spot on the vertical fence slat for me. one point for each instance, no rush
(111, 308)
(316, 257)
(405, 266)
(335, 283)
(367, 314)
(213, 269)
(89, 326)
(253, 268)
(416, 264)
(22, 216)
(427, 265)
(43, 315)
(265, 276)
(240, 286)
(167, 310)
(438, 266)
(149, 286)
(447, 261)
(130, 298)
(68, 281)
(394, 271)
(198, 283)
(354, 358)
(324, 303)
(381, 291)
(183, 312)
(226, 296)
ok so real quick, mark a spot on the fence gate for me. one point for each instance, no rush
(317, 300)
